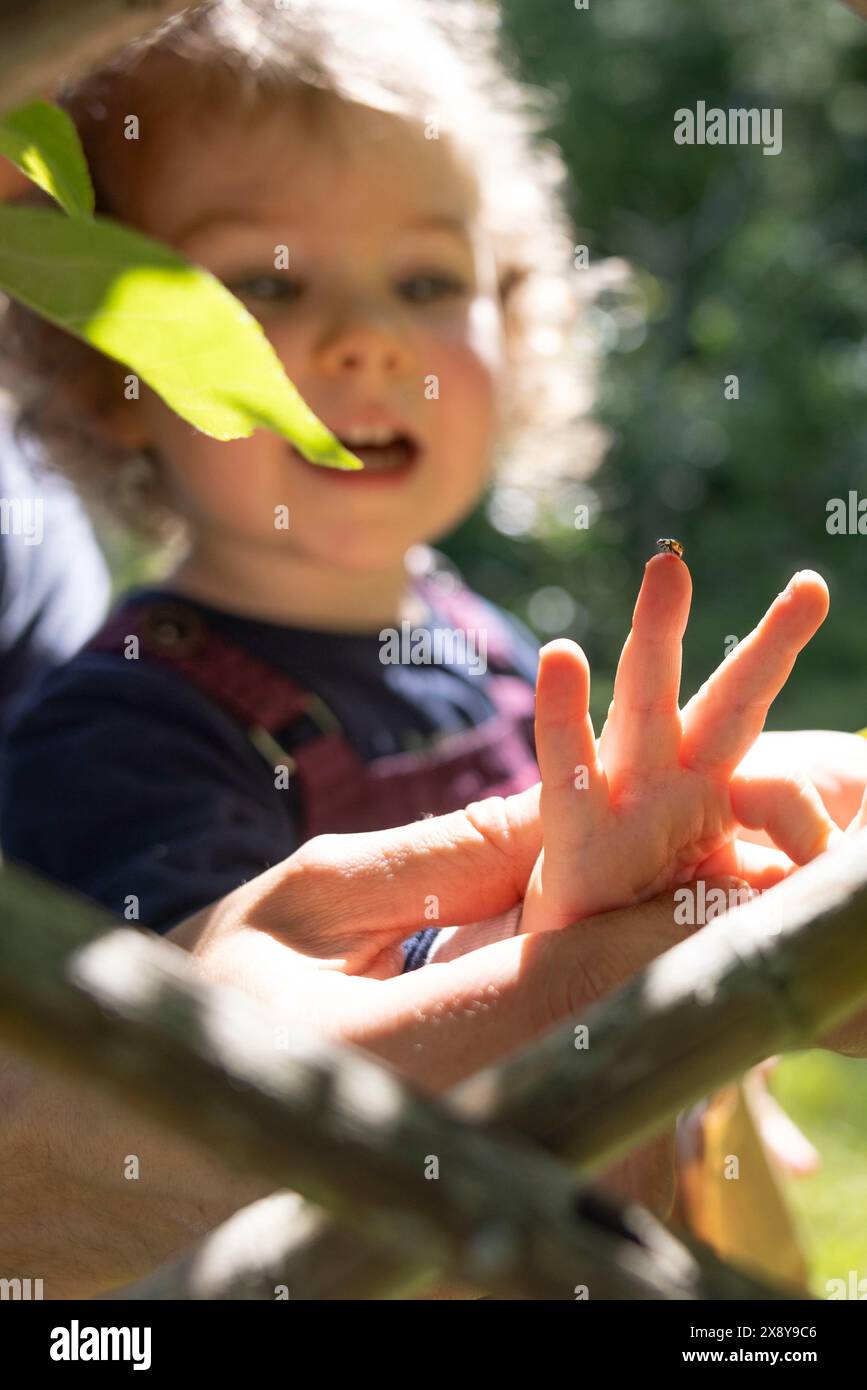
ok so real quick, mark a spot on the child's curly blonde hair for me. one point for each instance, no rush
(439, 62)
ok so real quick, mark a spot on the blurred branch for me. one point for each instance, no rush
(275, 1242)
(702, 1014)
(123, 1007)
(44, 41)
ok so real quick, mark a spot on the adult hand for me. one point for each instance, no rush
(318, 939)
(834, 762)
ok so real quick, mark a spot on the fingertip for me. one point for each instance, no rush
(810, 583)
(561, 644)
(562, 653)
(811, 576)
(668, 563)
(726, 881)
(667, 581)
(738, 890)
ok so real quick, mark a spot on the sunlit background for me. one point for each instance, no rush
(744, 263)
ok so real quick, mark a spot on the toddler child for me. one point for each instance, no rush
(243, 704)
(368, 186)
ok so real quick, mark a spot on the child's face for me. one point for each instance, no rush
(386, 317)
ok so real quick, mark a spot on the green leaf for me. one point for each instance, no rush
(41, 140)
(176, 326)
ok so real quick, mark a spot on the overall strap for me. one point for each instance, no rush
(258, 695)
(466, 611)
(336, 790)
(511, 695)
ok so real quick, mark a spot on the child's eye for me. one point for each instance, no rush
(424, 289)
(266, 289)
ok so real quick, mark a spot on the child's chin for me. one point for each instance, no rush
(364, 548)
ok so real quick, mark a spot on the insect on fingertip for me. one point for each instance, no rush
(668, 545)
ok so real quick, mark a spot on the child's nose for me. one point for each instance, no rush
(363, 347)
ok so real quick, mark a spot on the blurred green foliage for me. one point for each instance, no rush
(826, 1095)
(745, 263)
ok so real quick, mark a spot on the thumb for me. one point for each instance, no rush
(461, 867)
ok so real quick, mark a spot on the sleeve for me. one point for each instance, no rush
(418, 949)
(134, 790)
(54, 583)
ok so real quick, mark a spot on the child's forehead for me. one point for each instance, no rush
(328, 164)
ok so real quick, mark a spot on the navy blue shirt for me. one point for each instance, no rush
(54, 584)
(122, 780)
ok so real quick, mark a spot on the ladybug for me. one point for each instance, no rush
(668, 543)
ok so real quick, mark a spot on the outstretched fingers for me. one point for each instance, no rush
(726, 716)
(642, 732)
(574, 787)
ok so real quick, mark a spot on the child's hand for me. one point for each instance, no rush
(660, 802)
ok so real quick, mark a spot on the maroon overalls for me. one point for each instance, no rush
(338, 792)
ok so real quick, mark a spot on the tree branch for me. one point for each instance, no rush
(123, 1007)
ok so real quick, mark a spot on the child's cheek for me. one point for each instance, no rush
(201, 474)
(205, 484)
(466, 357)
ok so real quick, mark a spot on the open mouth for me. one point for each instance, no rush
(385, 458)
(385, 453)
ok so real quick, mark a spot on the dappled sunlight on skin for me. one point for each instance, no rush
(353, 335)
(343, 904)
(658, 800)
(532, 980)
(835, 763)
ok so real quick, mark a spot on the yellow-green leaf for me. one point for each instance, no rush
(41, 140)
(175, 325)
